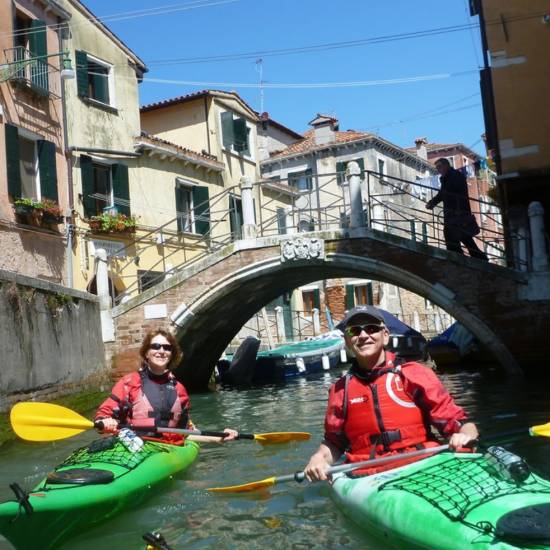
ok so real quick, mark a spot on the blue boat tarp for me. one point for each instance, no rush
(456, 336)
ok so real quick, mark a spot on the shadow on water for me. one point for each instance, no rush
(290, 515)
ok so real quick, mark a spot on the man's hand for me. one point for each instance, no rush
(464, 437)
(316, 468)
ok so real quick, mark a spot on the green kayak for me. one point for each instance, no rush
(93, 484)
(448, 501)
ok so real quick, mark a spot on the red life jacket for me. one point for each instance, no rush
(150, 403)
(380, 417)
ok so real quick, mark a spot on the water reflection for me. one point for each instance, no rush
(290, 515)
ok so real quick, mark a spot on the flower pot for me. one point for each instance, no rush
(51, 219)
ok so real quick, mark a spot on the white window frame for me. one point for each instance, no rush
(110, 81)
(31, 136)
(251, 141)
(451, 160)
(188, 186)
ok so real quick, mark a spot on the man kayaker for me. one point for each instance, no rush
(382, 407)
(152, 397)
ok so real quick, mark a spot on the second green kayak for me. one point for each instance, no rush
(93, 484)
(448, 502)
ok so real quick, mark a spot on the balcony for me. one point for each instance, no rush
(23, 69)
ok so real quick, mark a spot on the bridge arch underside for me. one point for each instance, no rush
(216, 316)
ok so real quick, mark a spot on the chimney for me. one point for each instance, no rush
(421, 150)
(324, 128)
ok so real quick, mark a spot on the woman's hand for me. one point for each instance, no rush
(110, 425)
(231, 435)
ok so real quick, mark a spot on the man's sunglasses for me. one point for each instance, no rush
(165, 347)
(356, 330)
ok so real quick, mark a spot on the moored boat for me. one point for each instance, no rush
(93, 484)
(448, 501)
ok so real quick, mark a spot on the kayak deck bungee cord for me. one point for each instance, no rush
(93, 484)
(448, 502)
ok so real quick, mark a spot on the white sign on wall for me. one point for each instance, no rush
(155, 311)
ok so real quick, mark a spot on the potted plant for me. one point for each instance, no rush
(28, 210)
(51, 212)
(112, 223)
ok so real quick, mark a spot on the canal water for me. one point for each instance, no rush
(291, 515)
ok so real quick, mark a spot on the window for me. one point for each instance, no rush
(302, 181)
(104, 186)
(184, 209)
(235, 216)
(235, 133)
(281, 221)
(31, 165)
(94, 78)
(192, 208)
(30, 42)
(363, 294)
(381, 169)
(451, 161)
(311, 300)
(342, 166)
(148, 279)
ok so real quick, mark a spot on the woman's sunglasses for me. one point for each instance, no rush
(165, 347)
(356, 330)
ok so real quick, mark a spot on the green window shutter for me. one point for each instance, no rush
(121, 188)
(361, 164)
(240, 135)
(228, 134)
(281, 221)
(39, 48)
(12, 161)
(317, 299)
(341, 172)
(309, 178)
(350, 296)
(370, 298)
(100, 86)
(87, 177)
(201, 208)
(48, 170)
(81, 60)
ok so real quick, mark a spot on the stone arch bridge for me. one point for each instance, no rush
(206, 303)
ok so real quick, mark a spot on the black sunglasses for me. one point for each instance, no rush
(356, 330)
(165, 347)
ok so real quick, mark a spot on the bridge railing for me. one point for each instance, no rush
(389, 203)
(317, 202)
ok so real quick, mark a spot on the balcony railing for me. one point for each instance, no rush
(22, 67)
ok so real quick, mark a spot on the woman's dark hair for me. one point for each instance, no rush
(177, 354)
(443, 160)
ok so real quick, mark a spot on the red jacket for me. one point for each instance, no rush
(389, 409)
(148, 400)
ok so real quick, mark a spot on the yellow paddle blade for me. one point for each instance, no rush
(281, 437)
(542, 430)
(247, 487)
(46, 422)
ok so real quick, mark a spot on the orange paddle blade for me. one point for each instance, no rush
(247, 487)
(281, 437)
(46, 422)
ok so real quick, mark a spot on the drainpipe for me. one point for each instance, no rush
(70, 191)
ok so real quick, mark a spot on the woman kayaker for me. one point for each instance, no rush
(152, 396)
(382, 407)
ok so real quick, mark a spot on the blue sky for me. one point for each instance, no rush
(443, 106)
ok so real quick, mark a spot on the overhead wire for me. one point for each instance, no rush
(122, 16)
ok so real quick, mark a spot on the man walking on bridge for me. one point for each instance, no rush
(459, 224)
